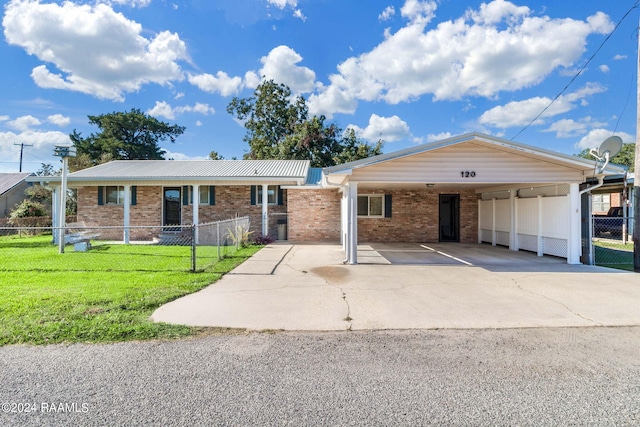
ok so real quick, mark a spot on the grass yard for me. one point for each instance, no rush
(613, 254)
(103, 295)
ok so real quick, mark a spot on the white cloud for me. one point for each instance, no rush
(163, 109)
(181, 156)
(4, 118)
(520, 113)
(221, 83)
(132, 3)
(298, 14)
(604, 68)
(281, 66)
(568, 128)
(95, 50)
(387, 13)
(283, 3)
(39, 151)
(59, 120)
(24, 123)
(498, 47)
(597, 136)
(438, 136)
(388, 129)
(619, 57)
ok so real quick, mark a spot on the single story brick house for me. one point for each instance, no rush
(471, 188)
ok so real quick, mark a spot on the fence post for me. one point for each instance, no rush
(193, 248)
(218, 238)
(238, 237)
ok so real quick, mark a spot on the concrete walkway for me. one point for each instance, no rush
(306, 287)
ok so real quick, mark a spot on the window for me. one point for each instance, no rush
(600, 202)
(371, 206)
(272, 194)
(204, 194)
(115, 195)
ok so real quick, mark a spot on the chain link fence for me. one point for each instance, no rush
(612, 242)
(144, 248)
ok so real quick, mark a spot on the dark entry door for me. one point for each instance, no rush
(449, 217)
(171, 206)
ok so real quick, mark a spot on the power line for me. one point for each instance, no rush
(578, 73)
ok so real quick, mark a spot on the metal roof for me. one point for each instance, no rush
(314, 177)
(10, 180)
(294, 170)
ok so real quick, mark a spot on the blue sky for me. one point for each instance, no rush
(407, 72)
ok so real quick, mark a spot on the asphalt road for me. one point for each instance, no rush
(569, 376)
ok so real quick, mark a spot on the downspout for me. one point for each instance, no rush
(599, 184)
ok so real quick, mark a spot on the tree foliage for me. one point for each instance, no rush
(131, 135)
(625, 157)
(279, 127)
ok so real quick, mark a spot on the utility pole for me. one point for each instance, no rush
(22, 145)
(636, 177)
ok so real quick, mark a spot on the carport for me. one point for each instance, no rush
(472, 188)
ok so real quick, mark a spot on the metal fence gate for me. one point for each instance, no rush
(611, 242)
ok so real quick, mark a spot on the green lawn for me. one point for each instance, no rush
(613, 254)
(103, 295)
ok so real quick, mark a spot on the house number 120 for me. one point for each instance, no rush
(468, 174)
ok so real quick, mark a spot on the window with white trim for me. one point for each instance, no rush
(272, 194)
(600, 202)
(114, 195)
(371, 205)
(204, 192)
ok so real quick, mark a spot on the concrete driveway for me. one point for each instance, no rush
(408, 286)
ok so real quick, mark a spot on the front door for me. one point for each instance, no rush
(449, 217)
(171, 206)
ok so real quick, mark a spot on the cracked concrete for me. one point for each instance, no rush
(306, 287)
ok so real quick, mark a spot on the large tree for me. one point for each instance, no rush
(625, 157)
(279, 127)
(131, 135)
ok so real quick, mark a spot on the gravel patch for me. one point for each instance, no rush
(563, 376)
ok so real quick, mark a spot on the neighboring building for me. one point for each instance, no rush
(12, 187)
(472, 188)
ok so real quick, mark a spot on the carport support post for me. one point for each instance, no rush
(265, 212)
(352, 232)
(574, 246)
(127, 214)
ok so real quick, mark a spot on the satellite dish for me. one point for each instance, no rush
(607, 150)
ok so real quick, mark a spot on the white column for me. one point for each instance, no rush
(513, 241)
(62, 205)
(265, 210)
(574, 244)
(344, 218)
(494, 237)
(480, 221)
(540, 240)
(196, 209)
(127, 214)
(54, 212)
(352, 250)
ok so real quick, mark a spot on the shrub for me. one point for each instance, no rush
(261, 239)
(28, 209)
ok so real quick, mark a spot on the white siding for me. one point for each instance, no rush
(446, 165)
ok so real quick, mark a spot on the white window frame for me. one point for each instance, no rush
(269, 189)
(598, 202)
(119, 195)
(369, 197)
(204, 195)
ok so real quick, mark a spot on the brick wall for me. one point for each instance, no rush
(314, 215)
(414, 217)
(230, 200)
